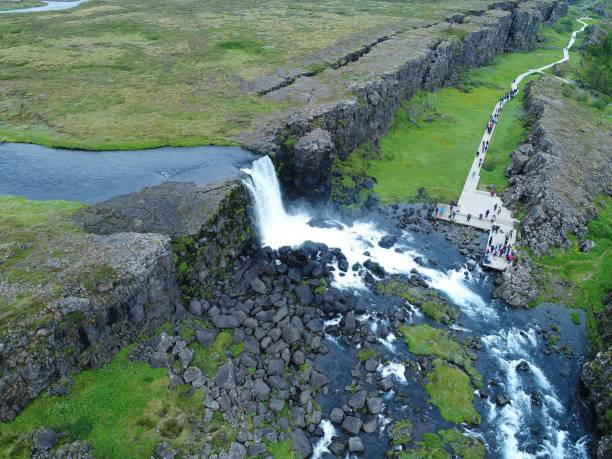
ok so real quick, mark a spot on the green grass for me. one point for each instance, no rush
(434, 136)
(14, 5)
(366, 353)
(450, 390)
(281, 450)
(32, 232)
(509, 134)
(145, 74)
(435, 342)
(580, 279)
(210, 358)
(400, 432)
(123, 410)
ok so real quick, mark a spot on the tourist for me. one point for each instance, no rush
(487, 213)
(493, 218)
(479, 162)
(495, 207)
(469, 216)
(480, 218)
(499, 211)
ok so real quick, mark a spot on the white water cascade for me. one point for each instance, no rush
(509, 348)
(277, 228)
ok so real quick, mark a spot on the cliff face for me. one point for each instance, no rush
(152, 247)
(355, 100)
(137, 292)
(557, 175)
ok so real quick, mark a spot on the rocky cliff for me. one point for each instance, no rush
(148, 249)
(354, 99)
(559, 172)
(209, 226)
(136, 292)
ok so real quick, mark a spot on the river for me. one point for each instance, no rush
(40, 173)
(48, 6)
(545, 417)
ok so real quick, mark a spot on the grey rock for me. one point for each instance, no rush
(355, 445)
(237, 451)
(300, 444)
(374, 405)
(159, 360)
(225, 321)
(352, 425)
(225, 377)
(261, 391)
(191, 374)
(336, 416)
(207, 336)
(258, 286)
(45, 439)
(358, 400)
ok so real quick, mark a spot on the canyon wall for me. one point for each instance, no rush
(354, 100)
(155, 249)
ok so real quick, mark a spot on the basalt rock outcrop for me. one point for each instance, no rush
(87, 326)
(150, 249)
(354, 100)
(209, 226)
(560, 171)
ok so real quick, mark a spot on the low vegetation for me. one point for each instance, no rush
(37, 241)
(132, 399)
(581, 279)
(429, 301)
(435, 342)
(445, 445)
(145, 74)
(210, 358)
(18, 4)
(450, 390)
(428, 151)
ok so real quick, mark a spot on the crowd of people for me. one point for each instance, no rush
(493, 249)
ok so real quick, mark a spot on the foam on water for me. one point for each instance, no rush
(394, 369)
(277, 228)
(322, 445)
(510, 348)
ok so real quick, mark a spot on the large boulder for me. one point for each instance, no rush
(311, 160)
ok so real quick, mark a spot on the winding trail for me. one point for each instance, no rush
(473, 201)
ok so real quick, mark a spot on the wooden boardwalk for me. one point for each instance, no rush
(473, 202)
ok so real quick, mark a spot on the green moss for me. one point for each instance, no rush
(435, 342)
(400, 433)
(322, 288)
(575, 318)
(439, 310)
(462, 445)
(211, 357)
(395, 286)
(453, 32)
(125, 397)
(222, 432)
(436, 446)
(366, 353)
(450, 390)
(281, 450)
(32, 233)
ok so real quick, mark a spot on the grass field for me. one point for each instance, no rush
(123, 410)
(115, 74)
(581, 279)
(13, 5)
(434, 136)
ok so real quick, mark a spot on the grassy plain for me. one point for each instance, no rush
(120, 74)
(34, 234)
(434, 136)
(13, 5)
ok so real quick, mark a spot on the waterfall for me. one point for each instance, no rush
(277, 227)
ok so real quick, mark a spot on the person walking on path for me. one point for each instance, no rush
(487, 213)
(469, 216)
